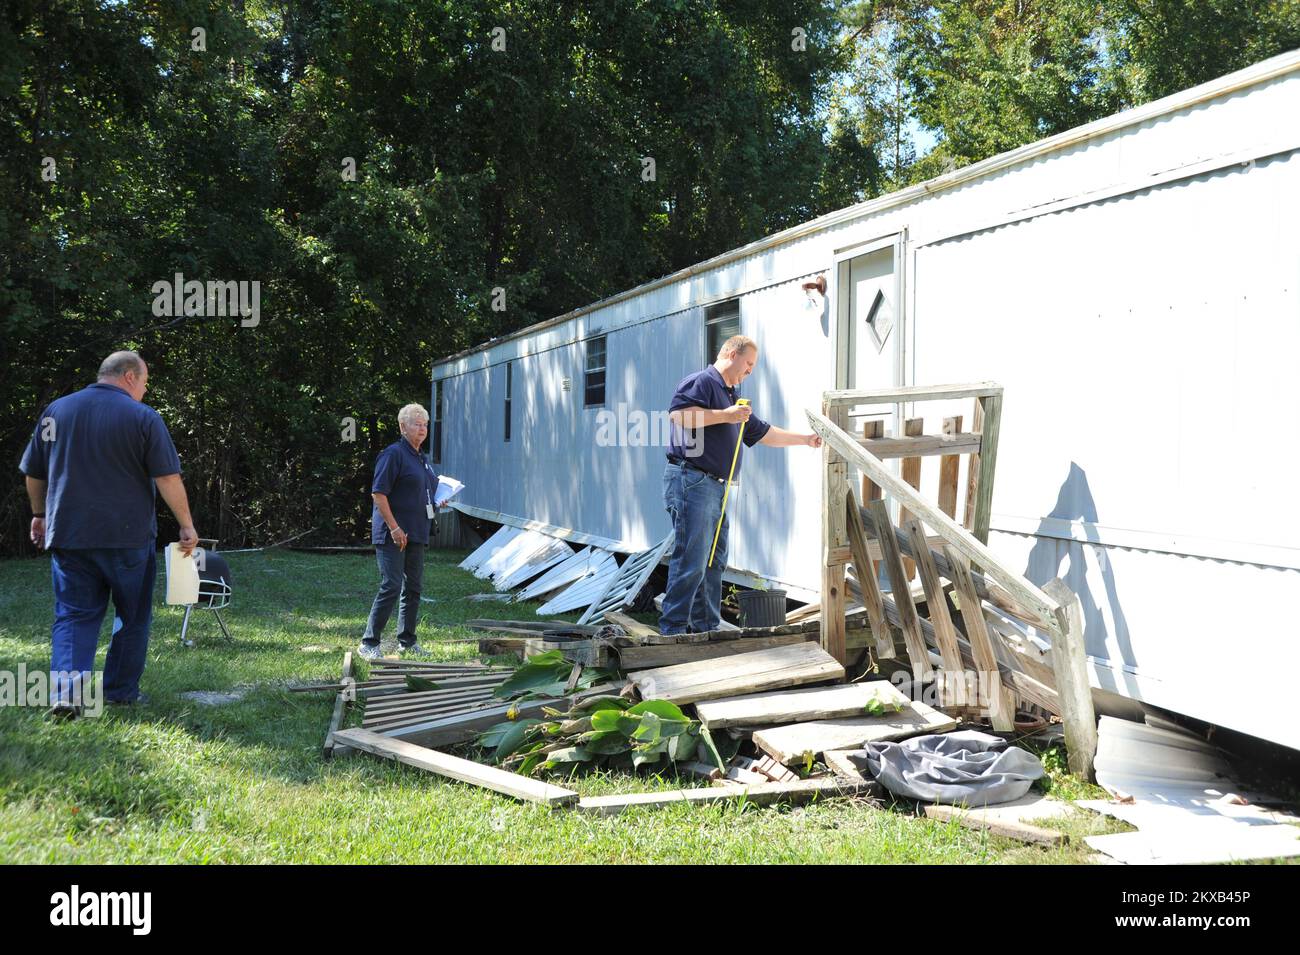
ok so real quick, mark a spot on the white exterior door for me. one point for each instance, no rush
(869, 317)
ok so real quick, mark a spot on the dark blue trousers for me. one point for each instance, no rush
(84, 580)
(401, 573)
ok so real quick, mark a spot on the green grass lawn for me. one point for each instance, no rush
(178, 781)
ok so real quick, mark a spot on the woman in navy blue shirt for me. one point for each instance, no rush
(403, 490)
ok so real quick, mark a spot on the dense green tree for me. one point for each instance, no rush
(496, 145)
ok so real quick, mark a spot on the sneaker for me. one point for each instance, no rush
(414, 648)
(370, 651)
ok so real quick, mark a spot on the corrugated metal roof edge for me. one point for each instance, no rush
(1255, 75)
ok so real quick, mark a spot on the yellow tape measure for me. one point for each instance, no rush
(727, 490)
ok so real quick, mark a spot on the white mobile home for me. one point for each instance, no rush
(1133, 284)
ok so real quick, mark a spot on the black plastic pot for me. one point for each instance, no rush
(761, 608)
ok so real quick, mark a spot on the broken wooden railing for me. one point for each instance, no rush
(992, 602)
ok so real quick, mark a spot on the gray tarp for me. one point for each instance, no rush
(970, 768)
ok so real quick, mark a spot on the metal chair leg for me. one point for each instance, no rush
(217, 614)
(185, 625)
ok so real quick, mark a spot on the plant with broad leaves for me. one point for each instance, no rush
(600, 731)
(547, 674)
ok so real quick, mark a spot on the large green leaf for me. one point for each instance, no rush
(608, 721)
(650, 729)
(418, 684)
(660, 708)
(516, 736)
(593, 704)
(605, 744)
(491, 737)
(537, 676)
(683, 747)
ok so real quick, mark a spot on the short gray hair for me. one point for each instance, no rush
(412, 412)
(119, 363)
(737, 344)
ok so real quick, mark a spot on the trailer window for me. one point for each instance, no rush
(510, 380)
(721, 321)
(594, 379)
(437, 423)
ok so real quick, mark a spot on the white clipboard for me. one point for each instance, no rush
(182, 576)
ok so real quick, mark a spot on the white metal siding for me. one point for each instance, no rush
(1138, 295)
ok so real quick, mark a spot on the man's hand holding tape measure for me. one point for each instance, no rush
(739, 412)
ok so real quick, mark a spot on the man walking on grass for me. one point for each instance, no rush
(92, 465)
(706, 425)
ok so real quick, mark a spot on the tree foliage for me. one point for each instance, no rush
(501, 149)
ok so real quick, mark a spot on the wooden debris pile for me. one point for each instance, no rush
(784, 720)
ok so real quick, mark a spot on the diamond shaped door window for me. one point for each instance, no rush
(880, 319)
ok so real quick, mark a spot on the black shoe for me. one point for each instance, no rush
(140, 700)
(62, 712)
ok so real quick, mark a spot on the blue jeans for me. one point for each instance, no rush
(693, 599)
(83, 582)
(400, 573)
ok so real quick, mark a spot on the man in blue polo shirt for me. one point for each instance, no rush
(706, 423)
(403, 490)
(92, 465)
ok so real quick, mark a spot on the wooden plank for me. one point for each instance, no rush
(453, 767)
(936, 604)
(406, 701)
(332, 747)
(920, 445)
(393, 720)
(849, 764)
(444, 684)
(1024, 684)
(973, 469)
(761, 794)
(983, 587)
(1007, 828)
(988, 464)
(834, 536)
(754, 672)
(797, 706)
(773, 770)
(950, 468)
(635, 627)
(443, 731)
(789, 743)
(894, 396)
(465, 702)
(872, 599)
(910, 469)
(909, 622)
(536, 627)
(636, 658)
(1070, 664)
(870, 430)
(805, 612)
(976, 551)
(399, 720)
(1001, 706)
